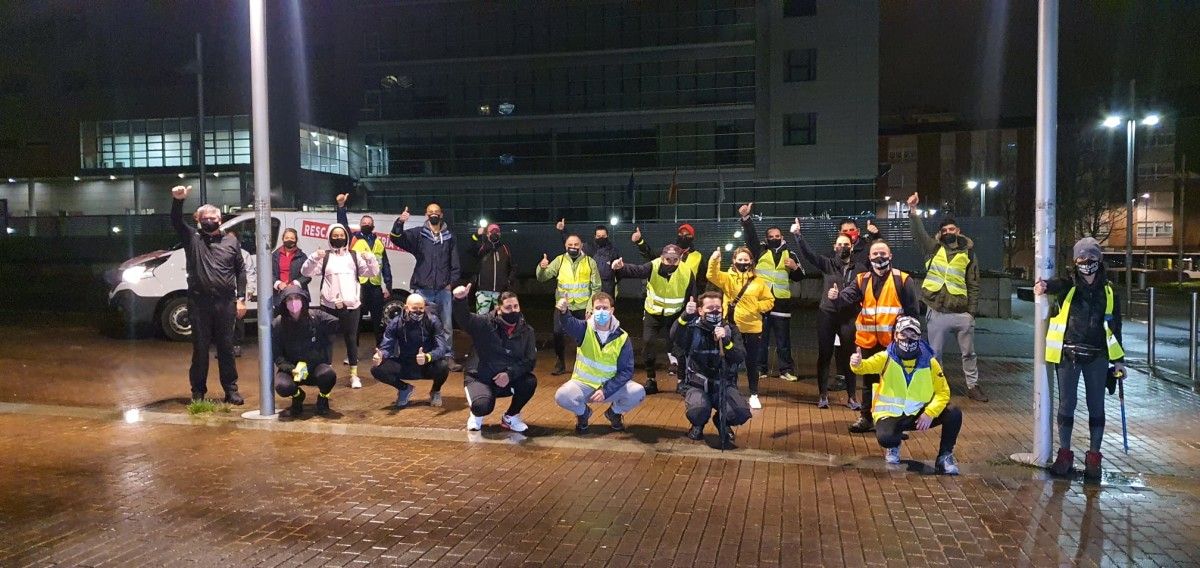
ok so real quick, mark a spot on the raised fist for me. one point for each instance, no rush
(341, 199)
(180, 192)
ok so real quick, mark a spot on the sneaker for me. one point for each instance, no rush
(513, 423)
(617, 420)
(862, 425)
(891, 455)
(581, 421)
(696, 433)
(789, 377)
(755, 403)
(322, 405)
(946, 465)
(560, 368)
(403, 394)
(237, 350)
(651, 386)
(297, 403)
(673, 369)
(435, 399)
(474, 423)
(346, 361)
(823, 402)
(1063, 463)
(975, 393)
(234, 398)
(852, 404)
(1091, 466)
(355, 382)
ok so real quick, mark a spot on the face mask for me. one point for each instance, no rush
(367, 229)
(573, 253)
(774, 243)
(684, 242)
(741, 266)
(601, 242)
(337, 243)
(1088, 268)
(209, 226)
(413, 317)
(908, 348)
(495, 238)
(602, 317)
(949, 239)
(435, 220)
(512, 318)
(881, 263)
(713, 318)
(289, 244)
(666, 270)
(294, 305)
(842, 252)
(852, 233)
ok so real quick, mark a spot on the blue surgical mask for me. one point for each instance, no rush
(602, 317)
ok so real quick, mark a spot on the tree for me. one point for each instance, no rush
(1089, 191)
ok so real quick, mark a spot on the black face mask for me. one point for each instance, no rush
(511, 318)
(208, 226)
(367, 229)
(573, 253)
(601, 243)
(684, 242)
(289, 244)
(774, 243)
(337, 243)
(949, 239)
(435, 220)
(843, 252)
(413, 317)
(666, 270)
(712, 318)
(741, 266)
(495, 238)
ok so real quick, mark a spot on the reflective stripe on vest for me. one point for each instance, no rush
(663, 296)
(596, 364)
(1057, 328)
(895, 396)
(774, 274)
(575, 281)
(878, 316)
(378, 250)
(949, 273)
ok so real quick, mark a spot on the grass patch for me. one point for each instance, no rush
(206, 406)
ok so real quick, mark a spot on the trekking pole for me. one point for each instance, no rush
(1121, 397)
(722, 425)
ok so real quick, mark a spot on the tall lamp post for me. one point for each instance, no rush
(983, 186)
(1146, 229)
(1111, 122)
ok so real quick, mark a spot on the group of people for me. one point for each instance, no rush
(710, 322)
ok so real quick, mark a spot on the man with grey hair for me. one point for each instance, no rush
(216, 279)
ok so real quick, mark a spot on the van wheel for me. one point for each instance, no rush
(174, 321)
(393, 307)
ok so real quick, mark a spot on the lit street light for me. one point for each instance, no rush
(983, 186)
(1111, 122)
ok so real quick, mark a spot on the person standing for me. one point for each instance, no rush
(505, 353)
(950, 291)
(437, 265)
(778, 267)
(860, 244)
(340, 270)
(413, 347)
(497, 274)
(286, 262)
(578, 278)
(691, 259)
(302, 348)
(667, 289)
(883, 294)
(216, 284)
(601, 249)
(376, 290)
(835, 326)
(603, 366)
(712, 350)
(1084, 338)
(748, 299)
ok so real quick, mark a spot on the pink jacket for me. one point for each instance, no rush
(339, 281)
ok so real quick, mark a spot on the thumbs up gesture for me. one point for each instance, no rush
(618, 264)
(563, 305)
(716, 256)
(561, 224)
(460, 293)
(872, 228)
(791, 264)
(404, 215)
(832, 294)
(422, 357)
(745, 210)
(691, 306)
(180, 192)
(913, 201)
(796, 226)
(1039, 288)
(636, 237)
(377, 358)
(857, 358)
(341, 199)
(545, 261)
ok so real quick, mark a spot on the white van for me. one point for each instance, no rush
(151, 290)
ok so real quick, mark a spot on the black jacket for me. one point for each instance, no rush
(757, 248)
(702, 356)
(644, 271)
(834, 271)
(306, 339)
(1085, 323)
(496, 270)
(293, 271)
(604, 256)
(214, 264)
(495, 351)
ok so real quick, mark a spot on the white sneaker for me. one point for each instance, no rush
(474, 423)
(355, 382)
(754, 402)
(513, 423)
(892, 455)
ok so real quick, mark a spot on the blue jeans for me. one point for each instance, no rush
(442, 299)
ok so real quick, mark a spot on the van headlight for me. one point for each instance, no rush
(138, 272)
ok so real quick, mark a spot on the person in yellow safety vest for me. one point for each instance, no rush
(1084, 338)
(667, 289)
(747, 299)
(376, 290)
(950, 291)
(778, 267)
(690, 258)
(912, 394)
(603, 365)
(577, 278)
(884, 295)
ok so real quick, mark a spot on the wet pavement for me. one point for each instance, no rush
(86, 483)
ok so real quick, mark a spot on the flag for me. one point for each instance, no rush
(629, 188)
(720, 188)
(673, 189)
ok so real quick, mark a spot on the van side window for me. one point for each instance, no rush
(245, 234)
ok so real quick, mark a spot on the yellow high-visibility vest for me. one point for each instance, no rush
(1058, 328)
(775, 274)
(378, 250)
(663, 296)
(895, 396)
(596, 364)
(575, 281)
(949, 273)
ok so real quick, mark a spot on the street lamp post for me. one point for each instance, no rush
(1146, 229)
(1130, 122)
(983, 187)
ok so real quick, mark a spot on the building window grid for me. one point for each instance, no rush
(801, 65)
(1155, 229)
(324, 150)
(163, 142)
(800, 129)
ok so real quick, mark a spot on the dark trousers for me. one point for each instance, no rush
(656, 331)
(348, 320)
(830, 326)
(239, 330)
(888, 430)
(395, 373)
(560, 336)
(868, 381)
(1094, 372)
(780, 328)
(212, 323)
(699, 406)
(609, 287)
(481, 396)
(753, 342)
(372, 301)
(321, 376)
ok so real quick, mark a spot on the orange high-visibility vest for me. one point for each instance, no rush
(878, 316)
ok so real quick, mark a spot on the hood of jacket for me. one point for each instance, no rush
(292, 290)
